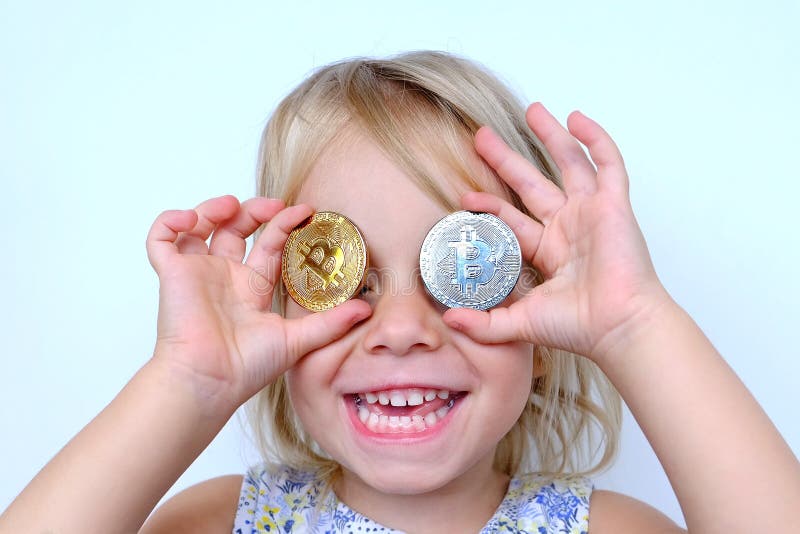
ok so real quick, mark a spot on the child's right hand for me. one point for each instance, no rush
(215, 327)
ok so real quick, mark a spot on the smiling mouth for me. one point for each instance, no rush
(404, 411)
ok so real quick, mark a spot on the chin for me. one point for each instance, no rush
(403, 480)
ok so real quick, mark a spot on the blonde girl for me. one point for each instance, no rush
(524, 408)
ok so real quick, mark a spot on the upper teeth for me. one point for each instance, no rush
(404, 397)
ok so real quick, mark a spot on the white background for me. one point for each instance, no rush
(112, 113)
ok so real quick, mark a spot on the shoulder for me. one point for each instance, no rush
(207, 507)
(615, 513)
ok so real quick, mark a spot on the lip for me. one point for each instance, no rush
(386, 386)
(364, 434)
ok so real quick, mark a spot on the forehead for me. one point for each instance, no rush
(355, 178)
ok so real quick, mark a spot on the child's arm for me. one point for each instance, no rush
(217, 345)
(111, 475)
(730, 468)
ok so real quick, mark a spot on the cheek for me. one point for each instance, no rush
(308, 374)
(310, 380)
(311, 374)
(313, 402)
(297, 388)
(513, 374)
(306, 388)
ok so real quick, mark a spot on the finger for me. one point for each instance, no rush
(318, 329)
(229, 240)
(160, 242)
(539, 194)
(265, 257)
(210, 213)
(577, 171)
(611, 173)
(527, 230)
(498, 325)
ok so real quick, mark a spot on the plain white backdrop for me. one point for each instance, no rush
(113, 112)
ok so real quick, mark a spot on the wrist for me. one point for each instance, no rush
(208, 398)
(655, 314)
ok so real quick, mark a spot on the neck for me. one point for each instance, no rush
(465, 504)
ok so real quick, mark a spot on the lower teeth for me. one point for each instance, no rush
(393, 424)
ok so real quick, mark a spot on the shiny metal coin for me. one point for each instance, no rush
(324, 261)
(470, 260)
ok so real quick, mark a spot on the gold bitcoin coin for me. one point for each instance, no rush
(324, 261)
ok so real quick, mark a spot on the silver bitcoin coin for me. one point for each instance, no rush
(470, 260)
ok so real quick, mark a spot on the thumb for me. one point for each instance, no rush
(499, 325)
(318, 329)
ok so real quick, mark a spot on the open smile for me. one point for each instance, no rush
(403, 411)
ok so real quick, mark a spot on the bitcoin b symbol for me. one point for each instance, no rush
(324, 261)
(473, 264)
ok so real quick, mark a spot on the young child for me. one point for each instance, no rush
(395, 145)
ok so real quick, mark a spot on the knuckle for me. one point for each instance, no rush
(517, 226)
(574, 157)
(507, 166)
(294, 343)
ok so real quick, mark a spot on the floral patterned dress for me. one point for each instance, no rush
(285, 500)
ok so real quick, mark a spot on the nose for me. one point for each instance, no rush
(402, 324)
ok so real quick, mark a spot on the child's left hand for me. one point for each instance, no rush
(600, 285)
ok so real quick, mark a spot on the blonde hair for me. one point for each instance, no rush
(430, 104)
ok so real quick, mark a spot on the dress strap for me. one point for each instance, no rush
(544, 505)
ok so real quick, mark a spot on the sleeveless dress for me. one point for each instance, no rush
(285, 500)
